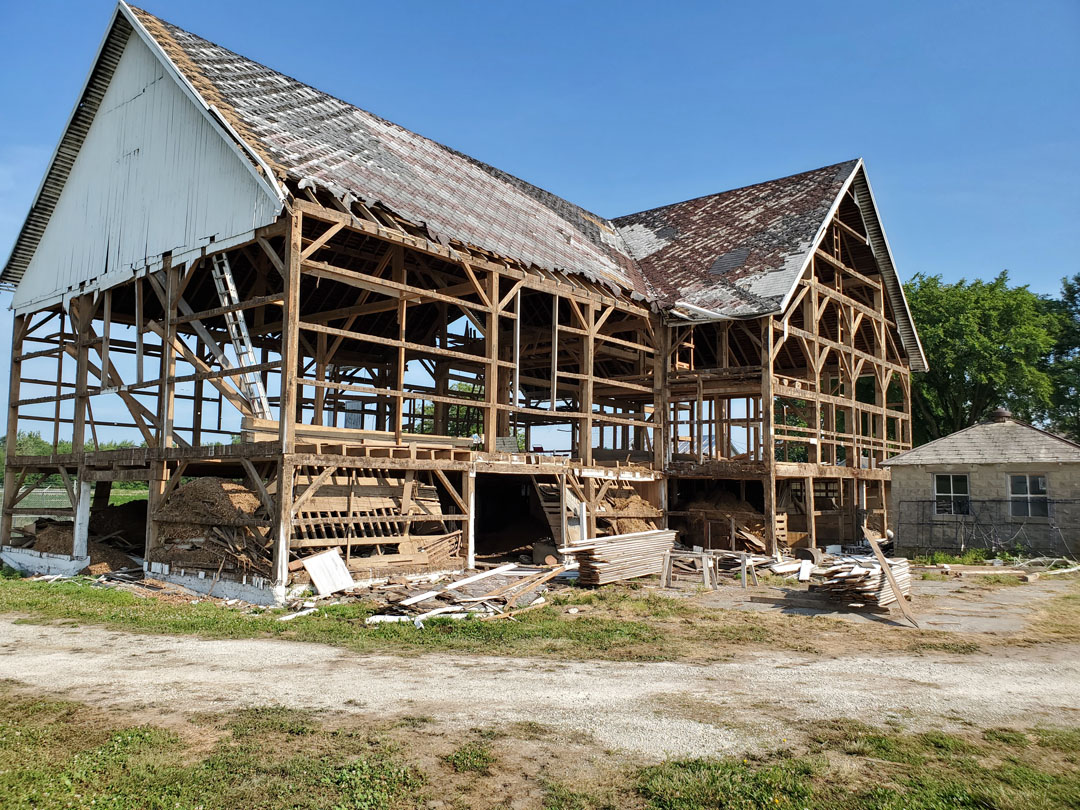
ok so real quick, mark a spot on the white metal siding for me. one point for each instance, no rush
(153, 175)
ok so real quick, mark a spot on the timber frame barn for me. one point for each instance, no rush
(252, 280)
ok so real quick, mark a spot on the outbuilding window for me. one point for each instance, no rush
(951, 495)
(1027, 496)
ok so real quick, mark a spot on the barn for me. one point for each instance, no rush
(390, 348)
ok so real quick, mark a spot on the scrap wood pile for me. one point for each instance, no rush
(499, 593)
(202, 528)
(378, 518)
(862, 580)
(747, 523)
(622, 556)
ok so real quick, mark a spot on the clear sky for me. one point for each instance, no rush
(967, 113)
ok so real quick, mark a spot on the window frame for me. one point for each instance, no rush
(1026, 497)
(952, 496)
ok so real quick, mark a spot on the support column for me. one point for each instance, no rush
(491, 368)
(18, 332)
(290, 317)
(283, 526)
(585, 389)
(468, 491)
(811, 519)
(768, 446)
(80, 533)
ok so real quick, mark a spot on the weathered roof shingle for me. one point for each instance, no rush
(1005, 441)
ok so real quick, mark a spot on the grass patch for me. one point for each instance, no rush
(612, 623)
(728, 783)
(972, 556)
(472, 757)
(998, 580)
(934, 576)
(119, 497)
(1058, 619)
(955, 647)
(57, 754)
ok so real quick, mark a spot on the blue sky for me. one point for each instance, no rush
(967, 113)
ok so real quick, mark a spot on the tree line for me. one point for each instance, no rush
(989, 344)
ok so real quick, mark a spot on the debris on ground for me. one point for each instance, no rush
(498, 593)
(863, 580)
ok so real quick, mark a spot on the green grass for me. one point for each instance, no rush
(472, 757)
(539, 632)
(998, 580)
(56, 754)
(972, 556)
(122, 496)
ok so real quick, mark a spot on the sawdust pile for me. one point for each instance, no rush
(205, 502)
(58, 538)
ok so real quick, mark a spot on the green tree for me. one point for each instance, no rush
(987, 345)
(1064, 364)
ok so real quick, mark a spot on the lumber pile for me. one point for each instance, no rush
(621, 556)
(862, 580)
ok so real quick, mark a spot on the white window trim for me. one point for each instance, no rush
(933, 489)
(1010, 497)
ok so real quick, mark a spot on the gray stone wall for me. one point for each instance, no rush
(990, 524)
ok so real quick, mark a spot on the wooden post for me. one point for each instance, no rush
(768, 446)
(167, 402)
(491, 368)
(468, 487)
(283, 525)
(81, 322)
(18, 332)
(811, 519)
(398, 261)
(80, 532)
(586, 395)
(290, 332)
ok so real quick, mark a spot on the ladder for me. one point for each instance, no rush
(250, 383)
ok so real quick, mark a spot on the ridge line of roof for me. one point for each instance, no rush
(853, 161)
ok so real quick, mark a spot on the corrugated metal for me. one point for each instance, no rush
(152, 174)
(78, 124)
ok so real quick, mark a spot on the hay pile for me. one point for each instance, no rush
(637, 506)
(203, 503)
(58, 538)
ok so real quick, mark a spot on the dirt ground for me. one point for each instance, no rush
(651, 710)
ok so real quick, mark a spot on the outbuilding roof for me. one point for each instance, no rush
(999, 441)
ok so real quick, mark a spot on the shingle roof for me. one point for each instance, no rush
(738, 252)
(997, 442)
(309, 135)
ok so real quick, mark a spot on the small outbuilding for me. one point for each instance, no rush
(1001, 485)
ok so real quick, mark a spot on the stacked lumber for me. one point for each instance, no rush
(621, 556)
(861, 579)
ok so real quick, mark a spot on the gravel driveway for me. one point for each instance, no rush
(648, 709)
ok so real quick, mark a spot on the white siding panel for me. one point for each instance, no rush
(153, 175)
